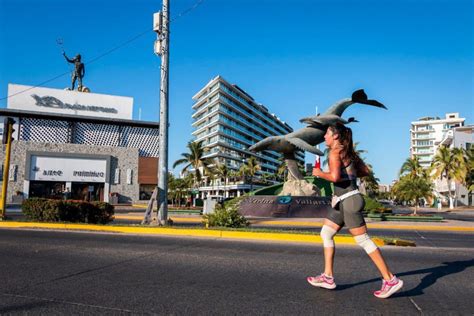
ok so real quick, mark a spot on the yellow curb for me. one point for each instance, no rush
(303, 238)
(129, 217)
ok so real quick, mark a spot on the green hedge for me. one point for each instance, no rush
(371, 205)
(45, 210)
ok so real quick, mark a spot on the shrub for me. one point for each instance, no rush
(371, 205)
(104, 213)
(38, 209)
(71, 211)
(45, 210)
(226, 215)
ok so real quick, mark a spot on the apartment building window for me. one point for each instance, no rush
(424, 143)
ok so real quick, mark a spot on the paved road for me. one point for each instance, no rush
(44, 272)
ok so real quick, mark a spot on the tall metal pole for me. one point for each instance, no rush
(6, 167)
(162, 215)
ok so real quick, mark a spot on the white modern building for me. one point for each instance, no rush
(458, 137)
(228, 121)
(427, 133)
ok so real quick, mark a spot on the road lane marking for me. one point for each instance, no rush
(416, 305)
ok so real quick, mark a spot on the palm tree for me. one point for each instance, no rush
(412, 167)
(451, 165)
(469, 158)
(194, 159)
(222, 172)
(249, 169)
(233, 175)
(412, 189)
(370, 182)
(172, 188)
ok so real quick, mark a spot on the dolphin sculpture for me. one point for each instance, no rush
(326, 120)
(308, 137)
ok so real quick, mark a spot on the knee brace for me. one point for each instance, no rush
(327, 234)
(365, 242)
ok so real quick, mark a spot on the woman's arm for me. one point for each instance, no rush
(334, 174)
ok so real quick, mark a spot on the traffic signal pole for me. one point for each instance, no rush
(6, 168)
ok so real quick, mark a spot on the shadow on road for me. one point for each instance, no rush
(433, 274)
(17, 308)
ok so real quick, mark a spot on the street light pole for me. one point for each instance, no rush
(161, 26)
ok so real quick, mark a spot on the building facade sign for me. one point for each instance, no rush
(58, 101)
(67, 169)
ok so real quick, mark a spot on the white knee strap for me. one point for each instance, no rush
(365, 242)
(327, 234)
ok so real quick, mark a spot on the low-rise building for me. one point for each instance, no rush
(458, 137)
(83, 146)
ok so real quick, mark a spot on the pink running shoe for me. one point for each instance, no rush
(389, 287)
(322, 281)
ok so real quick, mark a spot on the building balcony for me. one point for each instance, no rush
(259, 119)
(201, 119)
(228, 114)
(422, 145)
(204, 109)
(205, 96)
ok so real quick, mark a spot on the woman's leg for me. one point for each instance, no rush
(329, 249)
(326, 280)
(360, 234)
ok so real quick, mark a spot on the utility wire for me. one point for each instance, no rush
(182, 13)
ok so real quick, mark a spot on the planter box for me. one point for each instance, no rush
(403, 218)
(408, 218)
(375, 216)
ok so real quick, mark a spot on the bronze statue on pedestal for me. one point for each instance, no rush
(78, 72)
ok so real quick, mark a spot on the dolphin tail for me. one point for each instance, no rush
(359, 96)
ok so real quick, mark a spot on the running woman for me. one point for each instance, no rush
(345, 166)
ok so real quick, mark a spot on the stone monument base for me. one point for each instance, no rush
(295, 187)
(285, 206)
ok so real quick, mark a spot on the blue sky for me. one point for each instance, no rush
(416, 57)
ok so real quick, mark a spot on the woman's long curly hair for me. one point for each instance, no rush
(348, 154)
